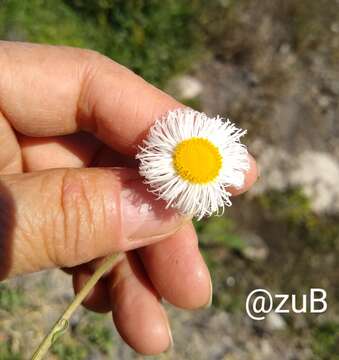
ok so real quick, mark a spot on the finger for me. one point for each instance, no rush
(82, 149)
(65, 217)
(251, 176)
(108, 157)
(68, 151)
(177, 269)
(10, 154)
(153, 257)
(97, 300)
(60, 90)
(137, 312)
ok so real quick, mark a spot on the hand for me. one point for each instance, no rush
(70, 121)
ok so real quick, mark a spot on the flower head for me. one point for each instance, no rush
(190, 160)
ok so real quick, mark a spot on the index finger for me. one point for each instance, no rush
(52, 90)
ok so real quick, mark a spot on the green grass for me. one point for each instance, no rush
(6, 351)
(97, 333)
(144, 35)
(194, 103)
(68, 349)
(293, 207)
(219, 231)
(158, 39)
(218, 235)
(10, 298)
(325, 343)
(92, 334)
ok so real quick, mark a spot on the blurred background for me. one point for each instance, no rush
(271, 66)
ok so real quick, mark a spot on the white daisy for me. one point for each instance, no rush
(190, 160)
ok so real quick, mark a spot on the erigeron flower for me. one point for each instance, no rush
(191, 160)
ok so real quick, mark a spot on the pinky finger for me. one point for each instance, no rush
(137, 312)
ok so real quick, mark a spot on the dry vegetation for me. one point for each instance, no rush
(272, 66)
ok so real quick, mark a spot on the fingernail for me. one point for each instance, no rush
(145, 217)
(170, 347)
(171, 343)
(209, 303)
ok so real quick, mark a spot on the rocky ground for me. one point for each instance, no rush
(204, 334)
(278, 77)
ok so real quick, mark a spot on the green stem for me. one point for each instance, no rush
(62, 324)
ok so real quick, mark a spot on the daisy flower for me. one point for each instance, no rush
(191, 160)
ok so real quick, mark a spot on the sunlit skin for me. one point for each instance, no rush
(70, 123)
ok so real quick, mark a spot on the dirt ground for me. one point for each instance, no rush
(274, 69)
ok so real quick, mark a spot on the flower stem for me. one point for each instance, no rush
(62, 324)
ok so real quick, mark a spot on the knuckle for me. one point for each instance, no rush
(98, 72)
(78, 201)
(93, 62)
(90, 222)
(92, 55)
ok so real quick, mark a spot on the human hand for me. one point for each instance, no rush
(70, 194)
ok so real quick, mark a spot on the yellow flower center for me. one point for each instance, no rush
(197, 160)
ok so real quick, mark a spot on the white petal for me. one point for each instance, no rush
(156, 163)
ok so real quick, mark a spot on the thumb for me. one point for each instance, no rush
(65, 217)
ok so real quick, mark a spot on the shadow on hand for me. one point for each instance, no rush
(7, 223)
